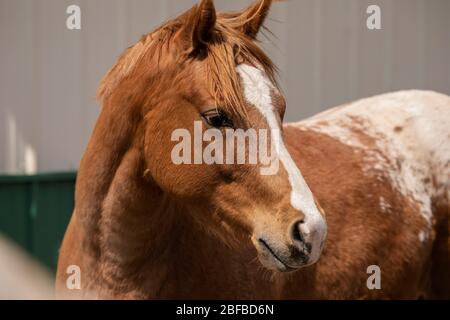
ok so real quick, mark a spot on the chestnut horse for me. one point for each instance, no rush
(146, 228)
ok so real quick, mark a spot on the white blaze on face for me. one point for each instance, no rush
(257, 90)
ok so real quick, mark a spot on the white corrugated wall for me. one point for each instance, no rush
(327, 56)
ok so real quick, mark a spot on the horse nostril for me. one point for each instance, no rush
(296, 233)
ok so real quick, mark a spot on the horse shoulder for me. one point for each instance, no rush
(355, 170)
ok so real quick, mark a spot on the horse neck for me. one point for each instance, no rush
(125, 221)
(137, 226)
(138, 232)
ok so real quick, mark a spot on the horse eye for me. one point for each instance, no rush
(217, 119)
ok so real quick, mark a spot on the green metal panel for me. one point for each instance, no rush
(14, 209)
(50, 214)
(35, 211)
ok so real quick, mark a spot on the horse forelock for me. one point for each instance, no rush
(230, 45)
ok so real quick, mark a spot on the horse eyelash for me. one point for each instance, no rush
(210, 112)
(216, 112)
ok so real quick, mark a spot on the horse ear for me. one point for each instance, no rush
(254, 17)
(200, 25)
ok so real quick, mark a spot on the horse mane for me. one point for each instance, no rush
(223, 81)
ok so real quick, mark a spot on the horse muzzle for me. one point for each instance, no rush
(302, 248)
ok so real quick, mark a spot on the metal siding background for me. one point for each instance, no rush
(326, 55)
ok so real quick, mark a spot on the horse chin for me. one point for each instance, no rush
(276, 265)
(278, 260)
